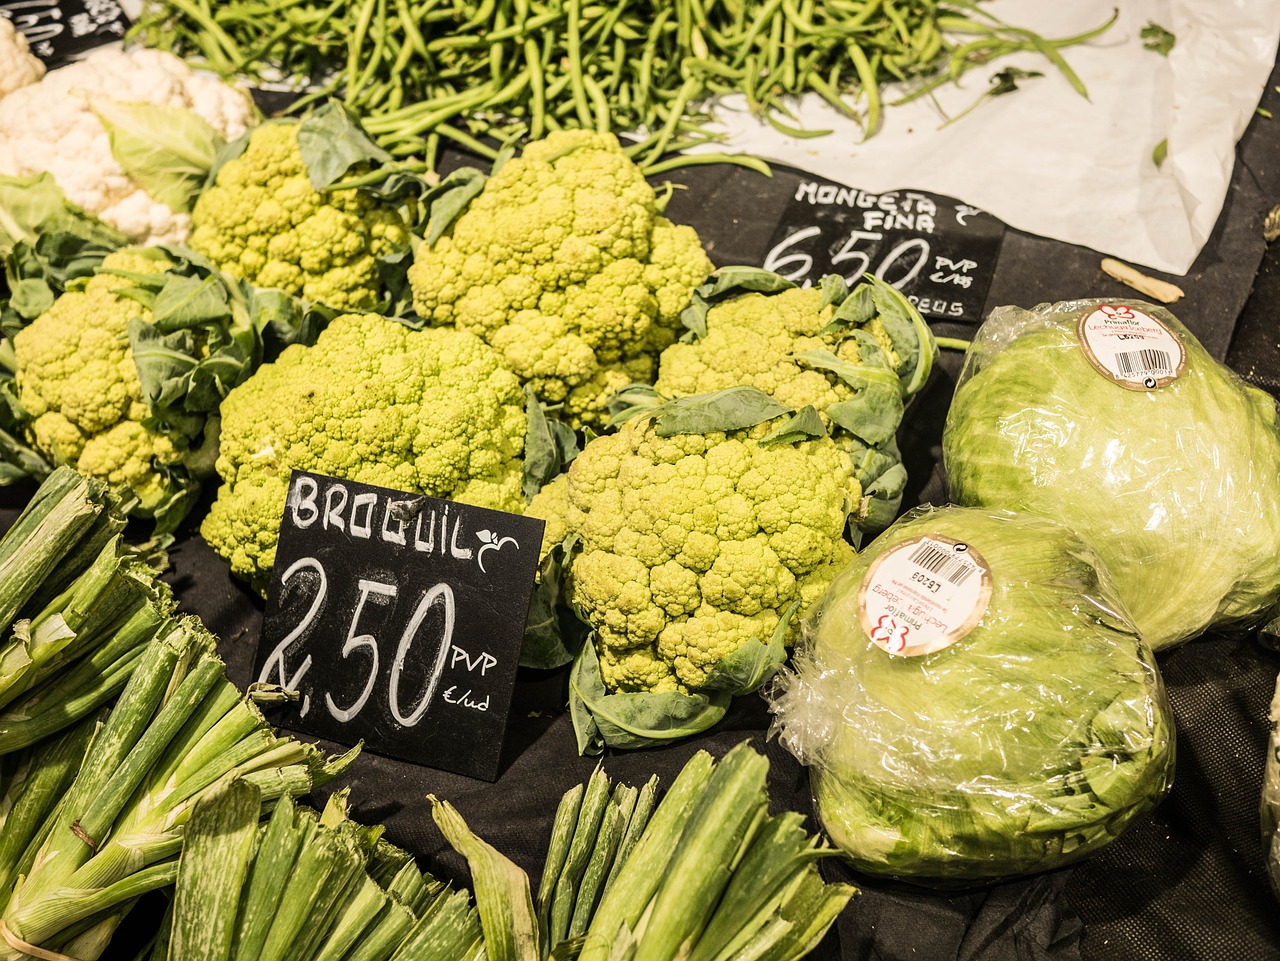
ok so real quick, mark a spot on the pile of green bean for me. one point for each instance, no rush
(495, 71)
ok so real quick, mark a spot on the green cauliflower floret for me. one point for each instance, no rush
(432, 411)
(77, 382)
(690, 546)
(564, 264)
(677, 265)
(262, 221)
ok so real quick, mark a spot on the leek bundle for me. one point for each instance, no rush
(67, 522)
(706, 875)
(178, 731)
(85, 605)
(303, 887)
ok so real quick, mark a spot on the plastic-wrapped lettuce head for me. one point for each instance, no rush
(1109, 417)
(972, 703)
(1269, 810)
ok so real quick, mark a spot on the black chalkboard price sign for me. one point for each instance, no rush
(939, 252)
(61, 30)
(397, 618)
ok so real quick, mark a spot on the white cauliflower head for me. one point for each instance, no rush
(50, 126)
(18, 65)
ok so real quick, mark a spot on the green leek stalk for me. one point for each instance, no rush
(85, 685)
(636, 882)
(705, 875)
(76, 653)
(714, 877)
(37, 781)
(98, 601)
(68, 517)
(502, 892)
(178, 731)
(303, 888)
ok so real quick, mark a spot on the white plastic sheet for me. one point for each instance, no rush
(1050, 162)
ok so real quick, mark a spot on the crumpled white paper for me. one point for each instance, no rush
(1047, 161)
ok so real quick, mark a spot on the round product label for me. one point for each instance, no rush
(1131, 348)
(923, 595)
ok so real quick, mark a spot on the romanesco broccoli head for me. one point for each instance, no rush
(77, 382)
(692, 545)
(432, 411)
(262, 221)
(564, 264)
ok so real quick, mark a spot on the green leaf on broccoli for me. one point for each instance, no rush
(735, 408)
(548, 446)
(553, 634)
(46, 243)
(449, 199)
(874, 414)
(633, 720)
(754, 662)
(332, 142)
(186, 301)
(805, 424)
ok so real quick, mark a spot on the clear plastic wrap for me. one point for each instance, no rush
(1109, 417)
(972, 702)
(1270, 808)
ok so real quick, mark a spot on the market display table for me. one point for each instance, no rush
(1186, 882)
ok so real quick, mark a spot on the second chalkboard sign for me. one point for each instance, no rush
(397, 618)
(59, 31)
(939, 252)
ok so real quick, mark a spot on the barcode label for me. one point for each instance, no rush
(1134, 363)
(944, 563)
(921, 595)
